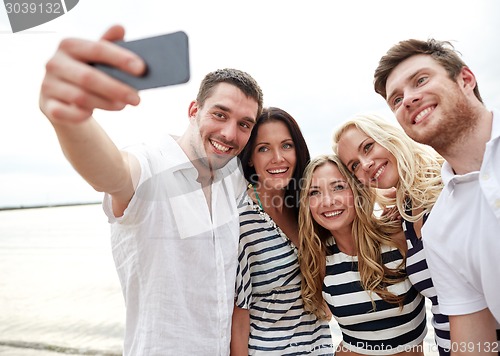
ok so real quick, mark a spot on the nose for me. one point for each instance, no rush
(366, 163)
(411, 98)
(328, 199)
(277, 156)
(229, 131)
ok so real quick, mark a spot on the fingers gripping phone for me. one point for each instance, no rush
(166, 58)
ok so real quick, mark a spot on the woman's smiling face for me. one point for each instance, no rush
(331, 200)
(370, 162)
(273, 156)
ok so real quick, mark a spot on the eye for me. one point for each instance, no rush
(313, 193)
(397, 100)
(421, 80)
(367, 147)
(287, 146)
(219, 115)
(262, 149)
(246, 124)
(354, 166)
(338, 187)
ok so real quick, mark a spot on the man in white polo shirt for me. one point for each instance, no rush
(436, 100)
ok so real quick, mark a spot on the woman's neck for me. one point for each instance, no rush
(270, 199)
(273, 203)
(344, 239)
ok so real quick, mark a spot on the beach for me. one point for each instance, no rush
(59, 292)
(58, 288)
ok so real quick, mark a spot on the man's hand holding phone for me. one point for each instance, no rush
(72, 89)
(166, 57)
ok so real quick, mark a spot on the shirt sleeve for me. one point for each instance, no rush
(243, 295)
(456, 296)
(140, 153)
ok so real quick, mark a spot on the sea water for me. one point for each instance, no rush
(58, 287)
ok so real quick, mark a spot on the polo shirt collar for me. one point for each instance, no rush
(181, 162)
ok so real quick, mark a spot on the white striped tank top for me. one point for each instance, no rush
(387, 329)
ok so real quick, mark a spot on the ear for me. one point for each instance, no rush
(193, 109)
(467, 79)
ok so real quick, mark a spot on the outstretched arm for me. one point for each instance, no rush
(71, 90)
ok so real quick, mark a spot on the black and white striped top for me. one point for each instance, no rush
(420, 277)
(268, 284)
(387, 329)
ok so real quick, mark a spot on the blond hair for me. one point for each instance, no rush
(419, 166)
(369, 235)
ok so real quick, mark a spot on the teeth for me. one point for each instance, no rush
(278, 171)
(219, 146)
(332, 213)
(379, 172)
(422, 114)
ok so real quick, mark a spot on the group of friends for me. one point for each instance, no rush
(231, 239)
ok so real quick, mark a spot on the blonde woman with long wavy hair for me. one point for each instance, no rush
(381, 155)
(353, 265)
(416, 173)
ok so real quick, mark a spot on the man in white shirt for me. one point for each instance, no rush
(172, 205)
(436, 100)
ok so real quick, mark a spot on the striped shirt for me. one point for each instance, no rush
(387, 329)
(268, 284)
(420, 277)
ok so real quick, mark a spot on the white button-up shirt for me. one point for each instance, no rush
(462, 236)
(177, 261)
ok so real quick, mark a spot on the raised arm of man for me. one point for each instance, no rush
(71, 90)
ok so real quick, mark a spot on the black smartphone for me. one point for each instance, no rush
(166, 57)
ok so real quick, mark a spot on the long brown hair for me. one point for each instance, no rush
(272, 114)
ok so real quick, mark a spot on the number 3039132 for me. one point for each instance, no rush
(34, 8)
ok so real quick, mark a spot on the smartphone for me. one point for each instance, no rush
(166, 57)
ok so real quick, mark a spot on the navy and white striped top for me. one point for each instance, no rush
(420, 277)
(268, 284)
(384, 331)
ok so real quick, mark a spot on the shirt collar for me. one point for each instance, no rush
(447, 172)
(181, 162)
(495, 126)
(177, 158)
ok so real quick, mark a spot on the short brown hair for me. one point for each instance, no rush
(238, 78)
(442, 52)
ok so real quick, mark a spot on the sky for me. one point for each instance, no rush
(315, 59)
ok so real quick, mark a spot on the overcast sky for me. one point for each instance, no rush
(314, 58)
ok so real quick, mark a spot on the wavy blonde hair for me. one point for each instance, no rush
(369, 235)
(419, 166)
